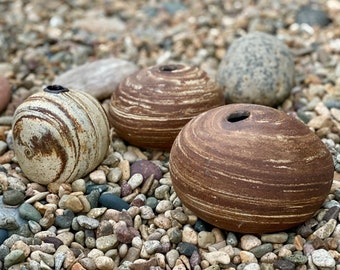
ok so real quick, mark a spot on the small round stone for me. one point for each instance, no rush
(104, 263)
(87, 222)
(261, 250)
(276, 238)
(136, 180)
(13, 197)
(249, 242)
(322, 259)
(28, 212)
(14, 257)
(186, 249)
(257, 68)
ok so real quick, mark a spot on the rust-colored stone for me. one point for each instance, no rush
(150, 107)
(250, 169)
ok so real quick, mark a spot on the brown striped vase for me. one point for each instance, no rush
(150, 107)
(250, 168)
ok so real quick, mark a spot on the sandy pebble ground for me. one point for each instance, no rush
(64, 227)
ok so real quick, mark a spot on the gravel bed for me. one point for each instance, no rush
(125, 214)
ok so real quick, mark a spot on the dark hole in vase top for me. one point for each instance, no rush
(55, 89)
(238, 116)
(168, 68)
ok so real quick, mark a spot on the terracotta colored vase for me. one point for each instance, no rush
(150, 107)
(59, 135)
(250, 168)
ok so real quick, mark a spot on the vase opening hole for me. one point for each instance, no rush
(168, 68)
(56, 89)
(238, 116)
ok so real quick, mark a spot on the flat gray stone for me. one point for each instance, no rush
(99, 78)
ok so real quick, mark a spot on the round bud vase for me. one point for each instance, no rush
(250, 168)
(150, 107)
(59, 135)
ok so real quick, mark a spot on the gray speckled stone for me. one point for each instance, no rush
(257, 68)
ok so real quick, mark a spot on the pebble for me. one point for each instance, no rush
(189, 235)
(216, 257)
(96, 77)
(261, 250)
(172, 257)
(205, 239)
(163, 206)
(297, 259)
(186, 249)
(112, 201)
(13, 197)
(28, 212)
(257, 68)
(14, 257)
(323, 259)
(5, 93)
(275, 238)
(104, 263)
(252, 266)
(98, 177)
(87, 222)
(146, 168)
(65, 220)
(249, 242)
(71, 202)
(283, 264)
(135, 181)
(324, 231)
(247, 257)
(105, 243)
(312, 16)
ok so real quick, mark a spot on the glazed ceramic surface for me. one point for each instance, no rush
(150, 107)
(250, 168)
(59, 135)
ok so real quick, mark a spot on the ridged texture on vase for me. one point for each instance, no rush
(150, 107)
(250, 168)
(60, 135)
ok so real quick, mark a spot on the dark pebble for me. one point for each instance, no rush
(312, 16)
(146, 168)
(332, 213)
(53, 240)
(259, 251)
(201, 226)
(284, 265)
(297, 259)
(28, 212)
(186, 249)
(100, 188)
(112, 201)
(3, 235)
(332, 104)
(13, 197)
(64, 221)
(93, 198)
(151, 202)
